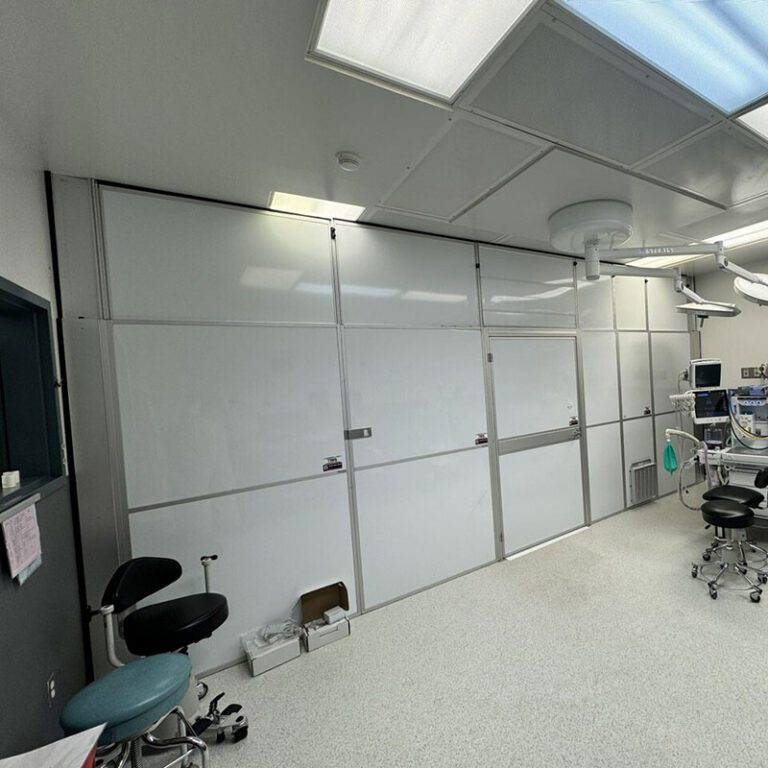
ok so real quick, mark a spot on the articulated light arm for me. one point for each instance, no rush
(725, 264)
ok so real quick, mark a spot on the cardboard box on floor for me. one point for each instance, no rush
(313, 605)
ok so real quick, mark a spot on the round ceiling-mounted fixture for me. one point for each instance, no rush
(755, 292)
(603, 223)
(348, 161)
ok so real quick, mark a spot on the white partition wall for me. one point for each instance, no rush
(242, 354)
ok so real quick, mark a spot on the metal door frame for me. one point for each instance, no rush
(538, 439)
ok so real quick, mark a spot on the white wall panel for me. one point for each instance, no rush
(662, 300)
(420, 390)
(423, 521)
(274, 544)
(527, 289)
(541, 493)
(208, 409)
(595, 301)
(535, 384)
(635, 374)
(671, 354)
(174, 259)
(638, 446)
(629, 296)
(396, 278)
(683, 448)
(606, 479)
(601, 377)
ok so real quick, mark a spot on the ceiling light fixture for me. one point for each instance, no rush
(716, 49)
(314, 206)
(757, 120)
(754, 233)
(432, 47)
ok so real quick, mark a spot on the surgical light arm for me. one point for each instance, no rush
(725, 264)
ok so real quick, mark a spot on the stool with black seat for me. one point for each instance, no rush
(734, 519)
(750, 498)
(168, 626)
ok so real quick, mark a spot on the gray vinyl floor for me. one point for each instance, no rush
(599, 650)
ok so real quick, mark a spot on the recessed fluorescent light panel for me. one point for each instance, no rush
(663, 262)
(754, 233)
(717, 48)
(429, 46)
(757, 120)
(314, 206)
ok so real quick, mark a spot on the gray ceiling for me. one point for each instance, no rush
(216, 99)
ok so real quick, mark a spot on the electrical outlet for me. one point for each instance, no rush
(751, 372)
(50, 689)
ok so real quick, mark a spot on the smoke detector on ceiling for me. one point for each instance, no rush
(348, 161)
(601, 223)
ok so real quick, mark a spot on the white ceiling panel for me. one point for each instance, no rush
(431, 226)
(722, 164)
(565, 87)
(468, 160)
(522, 207)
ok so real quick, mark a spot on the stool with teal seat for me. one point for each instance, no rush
(132, 700)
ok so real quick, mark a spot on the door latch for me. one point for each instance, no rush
(331, 463)
(647, 410)
(481, 438)
(573, 421)
(358, 434)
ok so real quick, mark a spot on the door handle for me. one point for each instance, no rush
(647, 410)
(481, 438)
(573, 421)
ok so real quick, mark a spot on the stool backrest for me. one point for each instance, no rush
(139, 578)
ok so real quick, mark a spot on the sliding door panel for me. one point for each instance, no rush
(541, 493)
(671, 355)
(396, 278)
(535, 384)
(273, 544)
(606, 480)
(423, 521)
(635, 374)
(601, 376)
(420, 391)
(175, 259)
(210, 409)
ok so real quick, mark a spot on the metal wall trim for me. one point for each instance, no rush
(420, 457)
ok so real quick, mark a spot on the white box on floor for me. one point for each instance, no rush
(323, 634)
(263, 656)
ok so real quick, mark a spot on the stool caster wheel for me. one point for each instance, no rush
(694, 571)
(754, 597)
(706, 556)
(713, 593)
(762, 578)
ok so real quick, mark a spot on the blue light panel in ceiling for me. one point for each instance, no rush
(717, 48)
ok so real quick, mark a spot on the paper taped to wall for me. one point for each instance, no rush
(22, 539)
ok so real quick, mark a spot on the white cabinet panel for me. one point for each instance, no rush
(420, 390)
(534, 384)
(671, 354)
(606, 478)
(601, 376)
(662, 300)
(541, 493)
(683, 448)
(595, 301)
(635, 370)
(274, 544)
(527, 289)
(629, 296)
(210, 409)
(396, 278)
(638, 446)
(423, 521)
(174, 259)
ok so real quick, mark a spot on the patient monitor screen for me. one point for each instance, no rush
(706, 375)
(711, 406)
